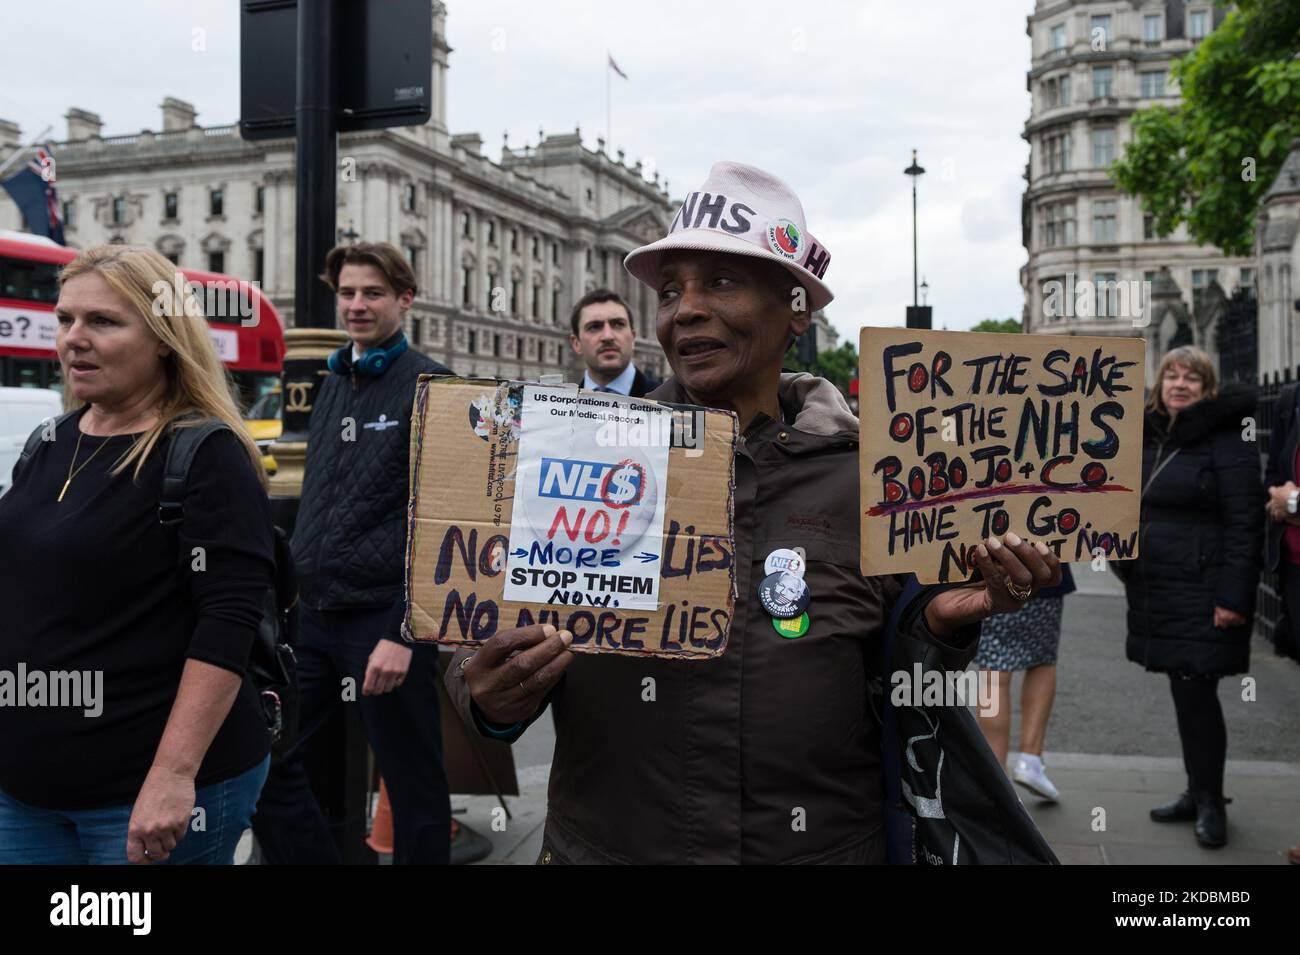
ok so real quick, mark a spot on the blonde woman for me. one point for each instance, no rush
(1191, 592)
(153, 749)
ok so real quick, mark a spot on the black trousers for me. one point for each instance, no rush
(404, 730)
(1201, 730)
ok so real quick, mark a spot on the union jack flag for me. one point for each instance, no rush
(33, 190)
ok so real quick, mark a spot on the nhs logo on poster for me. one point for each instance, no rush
(618, 485)
(587, 523)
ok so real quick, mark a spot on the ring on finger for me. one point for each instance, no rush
(1017, 591)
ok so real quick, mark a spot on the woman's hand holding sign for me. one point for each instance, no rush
(513, 671)
(1011, 569)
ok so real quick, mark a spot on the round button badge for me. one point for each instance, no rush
(792, 628)
(784, 595)
(784, 559)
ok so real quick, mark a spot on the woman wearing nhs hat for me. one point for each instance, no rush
(733, 749)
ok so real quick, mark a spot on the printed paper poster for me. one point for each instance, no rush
(588, 521)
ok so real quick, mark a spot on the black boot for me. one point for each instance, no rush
(1211, 820)
(1182, 809)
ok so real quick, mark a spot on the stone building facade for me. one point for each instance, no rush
(1095, 63)
(501, 250)
(1277, 248)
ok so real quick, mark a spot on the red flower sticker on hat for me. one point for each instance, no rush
(784, 238)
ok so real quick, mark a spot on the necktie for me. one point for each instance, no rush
(606, 388)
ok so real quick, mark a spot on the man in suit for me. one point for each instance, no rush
(602, 333)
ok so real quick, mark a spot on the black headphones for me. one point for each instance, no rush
(373, 363)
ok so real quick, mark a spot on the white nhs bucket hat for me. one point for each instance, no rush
(744, 211)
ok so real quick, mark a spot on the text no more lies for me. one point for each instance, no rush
(685, 627)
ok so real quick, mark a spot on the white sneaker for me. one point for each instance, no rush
(1029, 773)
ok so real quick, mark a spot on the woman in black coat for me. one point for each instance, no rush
(1191, 592)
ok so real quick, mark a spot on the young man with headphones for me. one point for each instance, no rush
(349, 549)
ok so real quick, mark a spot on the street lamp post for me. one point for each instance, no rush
(918, 316)
(915, 172)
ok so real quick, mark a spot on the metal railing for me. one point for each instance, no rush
(1268, 600)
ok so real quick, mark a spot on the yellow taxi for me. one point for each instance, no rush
(263, 422)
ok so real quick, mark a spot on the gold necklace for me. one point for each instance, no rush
(72, 473)
(77, 450)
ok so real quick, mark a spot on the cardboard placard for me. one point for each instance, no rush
(607, 516)
(968, 435)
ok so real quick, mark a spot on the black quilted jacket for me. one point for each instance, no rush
(349, 540)
(1201, 532)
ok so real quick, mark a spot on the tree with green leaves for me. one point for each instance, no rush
(837, 366)
(1209, 161)
(1003, 326)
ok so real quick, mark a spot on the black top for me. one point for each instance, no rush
(95, 583)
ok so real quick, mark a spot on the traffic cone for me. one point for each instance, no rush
(381, 833)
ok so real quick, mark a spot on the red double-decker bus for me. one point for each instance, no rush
(252, 350)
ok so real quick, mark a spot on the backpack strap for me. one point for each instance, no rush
(900, 836)
(34, 442)
(185, 443)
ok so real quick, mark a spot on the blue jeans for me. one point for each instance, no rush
(98, 836)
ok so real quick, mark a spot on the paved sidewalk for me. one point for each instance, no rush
(517, 840)
(1114, 726)
(1117, 792)
(1263, 819)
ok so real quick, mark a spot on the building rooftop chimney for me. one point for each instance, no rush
(177, 114)
(82, 124)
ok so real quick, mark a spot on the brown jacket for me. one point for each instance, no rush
(768, 754)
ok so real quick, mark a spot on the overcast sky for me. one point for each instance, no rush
(830, 96)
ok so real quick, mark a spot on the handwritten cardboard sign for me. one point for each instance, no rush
(607, 516)
(967, 435)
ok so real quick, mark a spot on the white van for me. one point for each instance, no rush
(21, 410)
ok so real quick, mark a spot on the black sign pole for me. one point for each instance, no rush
(317, 158)
(309, 343)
